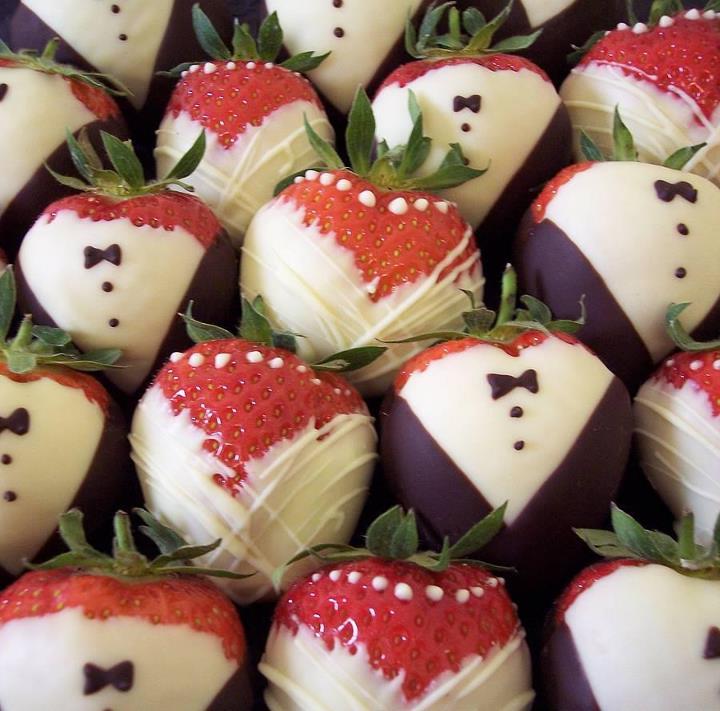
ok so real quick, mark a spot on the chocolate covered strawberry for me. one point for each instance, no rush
(31, 85)
(677, 427)
(632, 237)
(90, 631)
(642, 629)
(62, 440)
(346, 257)
(502, 110)
(390, 627)
(113, 265)
(519, 411)
(239, 438)
(253, 112)
(663, 76)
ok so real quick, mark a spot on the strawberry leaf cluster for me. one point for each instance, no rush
(681, 338)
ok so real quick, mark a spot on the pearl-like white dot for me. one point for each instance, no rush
(196, 360)
(176, 357)
(421, 204)
(709, 15)
(254, 357)
(316, 577)
(302, 369)
(269, 65)
(327, 179)
(434, 593)
(312, 174)
(639, 28)
(462, 596)
(693, 14)
(221, 360)
(367, 198)
(231, 66)
(403, 592)
(477, 591)
(379, 583)
(316, 381)
(276, 363)
(442, 207)
(335, 575)
(696, 365)
(337, 391)
(623, 26)
(398, 206)
(666, 21)
(251, 65)
(344, 185)
(492, 582)
(299, 179)
(354, 577)
(184, 74)
(670, 362)
(716, 364)
(194, 68)
(209, 68)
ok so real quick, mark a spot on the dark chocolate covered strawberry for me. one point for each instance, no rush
(40, 101)
(253, 112)
(346, 257)
(114, 264)
(663, 76)
(62, 440)
(641, 629)
(241, 439)
(390, 627)
(632, 237)
(90, 631)
(520, 411)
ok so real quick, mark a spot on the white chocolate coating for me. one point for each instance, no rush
(612, 213)
(24, 150)
(371, 28)
(149, 285)
(660, 122)
(311, 286)
(516, 109)
(303, 492)
(305, 676)
(42, 660)
(453, 400)
(678, 439)
(48, 463)
(236, 182)
(93, 31)
(640, 634)
(540, 11)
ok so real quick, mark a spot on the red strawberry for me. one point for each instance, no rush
(245, 438)
(123, 630)
(134, 255)
(510, 412)
(677, 427)
(642, 628)
(397, 633)
(347, 258)
(660, 74)
(253, 111)
(62, 440)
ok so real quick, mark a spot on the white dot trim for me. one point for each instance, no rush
(398, 206)
(354, 577)
(221, 360)
(421, 204)
(344, 185)
(379, 583)
(442, 207)
(312, 175)
(403, 592)
(716, 364)
(254, 357)
(231, 66)
(462, 596)
(666, 21)
(209, 68)
(196, 360)
(693, 14)
(696, 365)
(434, 593)
(639, 28)
(316, 577)
(276, 363)
(477, 591)
(367, 198)
(176, 357)
(327, 179)
(335, 575)
(251, 65)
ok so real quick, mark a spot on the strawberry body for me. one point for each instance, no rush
(416, 634)
(99, 639)
(133, 264)
(471, 424)
(253, 113)
(382, 265)
(662, 79)
(260, 438)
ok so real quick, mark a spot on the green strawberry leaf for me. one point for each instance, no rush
(188, 163)
(123, 158)
(51, 336)
(350, 360)
(270, 38)
(304, 62)
(418, 146)
(255, 326)
(480, 534)
(165, 538)
(244, 45)
(681, 157)
(360, 134)
(623, 140)
(208, 36)
(404, 541)
(680, 337)
(473, 20)
(517, 44)
(323, 149)
(664, 7)
(580, 51)
(382, 530)
(590, 149)
(200, 332)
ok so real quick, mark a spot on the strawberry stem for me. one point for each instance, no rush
(680, 337)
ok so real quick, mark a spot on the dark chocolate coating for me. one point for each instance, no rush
(236, 695)
(213, 290)
(552, 268)
(540, 543)
(42, 188)
(110, 484)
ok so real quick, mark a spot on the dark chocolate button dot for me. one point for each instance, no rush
(466, 127)
(115, 9)
(683, 229)
(6, 459)
(10, 496)
(519, 445)
(712, 644)
(123, 37)
(114, 323)
(3, 91)
(681, 273)
(517, 412)
(339, 32)
(107, 287)
(337, 3)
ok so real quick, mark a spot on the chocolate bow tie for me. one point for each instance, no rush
(473, 103)
(502, 385)
(96, 678)
(667, 192)
(93, 256)
(18, 423)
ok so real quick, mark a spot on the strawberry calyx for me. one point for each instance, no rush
(256, 328)
(468, 33)
(127, 561)
(33, 346)
(624, 147)
(392, 169)
(45, 62)
(681, 338)
(127, 177)
(394, 536)
(508, 322)
(630, 540)
(245, 47)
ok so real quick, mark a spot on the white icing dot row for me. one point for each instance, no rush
(477, 591)
(666, 21)
(302, 369)
(434, 593)
(316, 381)
(176, 357)
(311, 175)
(403, 592)
(379, 583)
(316, 577)
(710, 15)
(196, 360)
(344, 185)
(670, 362)
(209, 68)
(354, 577)
(367, 198)
(194, 68)
(442, 207)
(716, 364)
(639, 28)
(276, 363)
(269, 65)
(327, 179)
(254, 357)
(696, 365)
(251, 65)
(462, 596)
(221, 360)
(398, 206)
(623, 26)
(421, 204)
(335, 575)
(231, 66)
(693, 14)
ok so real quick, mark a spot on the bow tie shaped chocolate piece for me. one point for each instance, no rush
(18, 423)
(94, 256)
(667, 192)
(502, 385)
(473, 103)
(120, 677)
